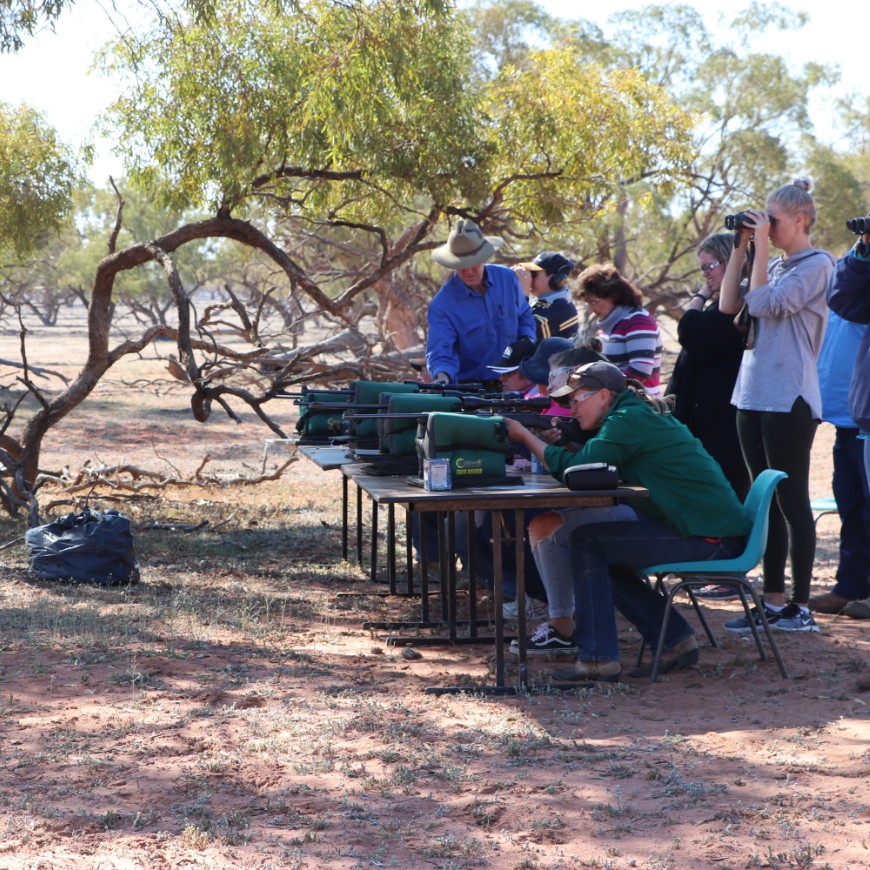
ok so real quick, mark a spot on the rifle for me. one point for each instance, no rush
(505, 403)
(569, 428)
(487, 401)
(438, 387)
(307, 392)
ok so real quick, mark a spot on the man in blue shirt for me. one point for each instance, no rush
(478, 312)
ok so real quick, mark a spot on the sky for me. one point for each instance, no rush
(51, 71)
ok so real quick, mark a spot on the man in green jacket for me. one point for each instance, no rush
(691, 514)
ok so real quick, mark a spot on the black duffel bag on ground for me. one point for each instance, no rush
(91, 547)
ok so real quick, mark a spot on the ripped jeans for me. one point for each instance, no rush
(552, 554)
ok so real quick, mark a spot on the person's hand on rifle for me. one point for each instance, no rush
(553, 435)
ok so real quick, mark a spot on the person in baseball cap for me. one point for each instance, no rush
(513, 355)
(508, 366)
(591, 560)
(545, 281)
(479, 310)
(592, 376)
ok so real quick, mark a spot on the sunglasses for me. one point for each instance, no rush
(707, 268)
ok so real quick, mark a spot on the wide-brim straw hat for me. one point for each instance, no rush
(466, 246)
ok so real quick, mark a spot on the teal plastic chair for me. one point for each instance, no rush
(726, 572)
(823, 506)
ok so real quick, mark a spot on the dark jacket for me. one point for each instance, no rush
(849, 296)
(703, 380)
(555, 318)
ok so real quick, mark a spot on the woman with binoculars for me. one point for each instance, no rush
(777, 389)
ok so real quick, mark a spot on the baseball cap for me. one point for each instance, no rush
(513, 355)
(550, 262)
(536, 367)
(592, 376)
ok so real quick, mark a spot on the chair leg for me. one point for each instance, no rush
(753, 627)
(774, 648)
(743, 587)
(669, 603)
(700, 613)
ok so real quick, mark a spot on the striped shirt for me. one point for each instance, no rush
(633, 343)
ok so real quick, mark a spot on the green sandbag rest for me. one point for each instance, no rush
(399, 434)
(477, 447)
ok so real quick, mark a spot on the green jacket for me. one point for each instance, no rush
(687, 490)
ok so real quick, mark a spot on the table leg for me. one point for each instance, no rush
(344, 518)
(499, 688)
(359, 526)
(520, 543)
(451, 575)
(373, 571)
(409, 551)
(498, 598)
(447, 582)
(391, 548)
(472, 574)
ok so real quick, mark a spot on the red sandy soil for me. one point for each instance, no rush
(266, 728)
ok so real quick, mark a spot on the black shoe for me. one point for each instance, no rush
(545, 641)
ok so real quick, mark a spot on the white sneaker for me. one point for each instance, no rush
(534, 609)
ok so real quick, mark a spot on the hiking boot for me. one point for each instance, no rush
(545, 641)
(722, 593)
(794, 618)
(683, 655)
(830, 602)
(858, 609)
(743, 626)
(534, 609)
(589, 672)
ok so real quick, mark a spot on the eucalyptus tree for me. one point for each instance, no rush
(37, 178)
(336, 141)
(752, 129)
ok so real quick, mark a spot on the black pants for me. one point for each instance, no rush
(784, 441)
(853, 504)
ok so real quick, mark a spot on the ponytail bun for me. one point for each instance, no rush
(804, 182)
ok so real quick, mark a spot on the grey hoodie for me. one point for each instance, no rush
(791, 317)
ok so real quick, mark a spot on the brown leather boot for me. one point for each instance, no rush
(858, 609)
(830, 602)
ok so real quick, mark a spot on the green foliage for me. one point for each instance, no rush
(21, 18)
(751, 132)
(566, 162)
(359, 112)
(505, 33)
(37, 175)
(375, 90)
(839, 195)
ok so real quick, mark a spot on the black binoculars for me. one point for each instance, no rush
(737, 221)
(859, 226)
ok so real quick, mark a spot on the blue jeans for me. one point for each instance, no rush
(606, 560)
(853, 504)
(553, 553)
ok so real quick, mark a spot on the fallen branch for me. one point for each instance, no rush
(172, 527)
(131, 478)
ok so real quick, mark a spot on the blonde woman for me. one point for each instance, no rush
(777, 390)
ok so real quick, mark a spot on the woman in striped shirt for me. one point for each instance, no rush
(630, 335)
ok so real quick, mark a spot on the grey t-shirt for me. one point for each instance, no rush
(791, 316)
